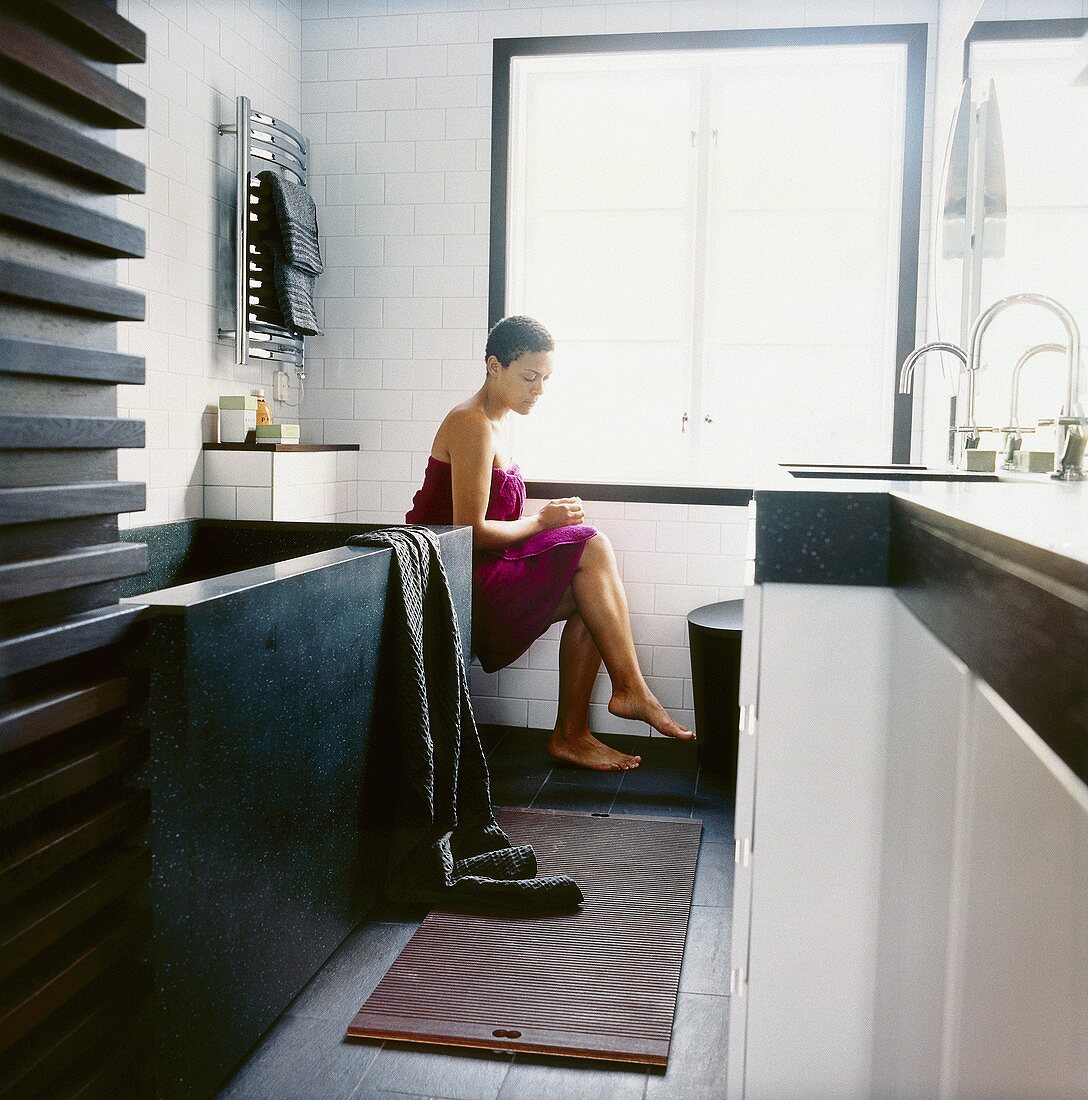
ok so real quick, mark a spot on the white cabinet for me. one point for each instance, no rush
(1018, 1012)
(928, 695)
(815, 882)
(262, 483)
(911, 897)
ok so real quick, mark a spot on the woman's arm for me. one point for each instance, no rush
(472, 458)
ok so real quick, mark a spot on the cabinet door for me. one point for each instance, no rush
(821, 737)
(742, 831)
(1018, 998)
(929, 691)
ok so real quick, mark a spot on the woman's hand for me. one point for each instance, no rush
(565, 512)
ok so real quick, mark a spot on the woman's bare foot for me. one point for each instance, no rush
(646, 708)
(587, 752)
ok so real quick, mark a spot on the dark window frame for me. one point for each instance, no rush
(913, 36)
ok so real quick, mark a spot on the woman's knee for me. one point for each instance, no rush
(598, 551)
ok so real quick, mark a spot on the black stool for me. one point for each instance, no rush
(714, 634)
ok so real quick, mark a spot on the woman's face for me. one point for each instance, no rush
(522, 382)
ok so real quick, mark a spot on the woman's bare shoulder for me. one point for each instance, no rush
(466, 427)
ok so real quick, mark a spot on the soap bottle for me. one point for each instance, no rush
(264, 410)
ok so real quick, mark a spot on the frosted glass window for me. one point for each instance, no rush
(713, 238)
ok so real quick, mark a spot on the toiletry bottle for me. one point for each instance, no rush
(264, 410)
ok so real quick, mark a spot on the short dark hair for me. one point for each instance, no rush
(513, 337)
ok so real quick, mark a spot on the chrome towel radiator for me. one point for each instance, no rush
(271, 143)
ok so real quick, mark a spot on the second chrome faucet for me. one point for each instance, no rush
(1072, 425)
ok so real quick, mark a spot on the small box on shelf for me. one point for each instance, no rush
(237, 417)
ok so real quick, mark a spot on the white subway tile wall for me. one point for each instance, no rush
(404, 207)
(395, 96)
(200, 56)
(281, 485)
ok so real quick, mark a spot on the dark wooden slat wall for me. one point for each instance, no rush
(74, 865)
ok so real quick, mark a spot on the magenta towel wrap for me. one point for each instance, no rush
(515, 592)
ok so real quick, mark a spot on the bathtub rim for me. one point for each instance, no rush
(183, 597)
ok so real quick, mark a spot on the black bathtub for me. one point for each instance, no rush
(261, 655)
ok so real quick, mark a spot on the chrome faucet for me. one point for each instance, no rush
(906, 383)
(1072, 426)
(1013, 436)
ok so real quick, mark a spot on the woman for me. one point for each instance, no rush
(532, 571)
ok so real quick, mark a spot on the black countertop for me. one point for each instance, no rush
(997, 571)
(838, 531)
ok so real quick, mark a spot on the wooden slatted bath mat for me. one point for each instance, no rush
(599, 983)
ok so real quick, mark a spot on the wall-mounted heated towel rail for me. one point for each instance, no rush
(259, 332)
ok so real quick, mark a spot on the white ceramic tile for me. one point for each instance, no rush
(220, 502)
(528, 683)
(254, 503)
(541, 714)
(452, 156)
(238, 468)
(501, 712)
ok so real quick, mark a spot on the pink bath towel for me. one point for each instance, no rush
(514, 592)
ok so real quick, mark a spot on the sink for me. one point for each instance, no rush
(889, 472)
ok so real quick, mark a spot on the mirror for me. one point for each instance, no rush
(1013, 215)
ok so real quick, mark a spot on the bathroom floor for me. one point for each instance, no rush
(305, 1057)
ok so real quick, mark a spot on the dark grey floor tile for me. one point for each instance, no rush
(301, 1059)
(717, 827)
(364, 1094)
(430, 1072)
(560, 1079)
(575, 797)
(650, 804)
(564, 775)
(519, 767)
(713, 792)
(349, 977)
(714, 875)
(697, 1057)
(706, 955)
(493, 736)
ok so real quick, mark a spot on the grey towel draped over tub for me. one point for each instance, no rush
(295, 250)
(446, 846)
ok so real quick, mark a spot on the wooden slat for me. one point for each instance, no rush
(43, 715)
(29, 1006)
(31, 791)
(94, 29)
(63, 846)
(36, 923)
(58, 75)
(68, 638)
(97, 1021)
(45, 359)
(48, 502)
(39, 285)
(74, 155)
(108, 561)
(30, 431)
(69, 222)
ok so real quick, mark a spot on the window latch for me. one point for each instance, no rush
(683, 423)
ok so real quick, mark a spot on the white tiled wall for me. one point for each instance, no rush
(398, 97)
(395, 96)
(281, 485)
(200, 56)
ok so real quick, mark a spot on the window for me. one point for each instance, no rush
(715, 238)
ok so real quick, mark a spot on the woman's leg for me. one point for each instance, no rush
(602, 605)
(579, 660)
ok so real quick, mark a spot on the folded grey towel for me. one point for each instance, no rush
(296, 215)
(294, 292)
